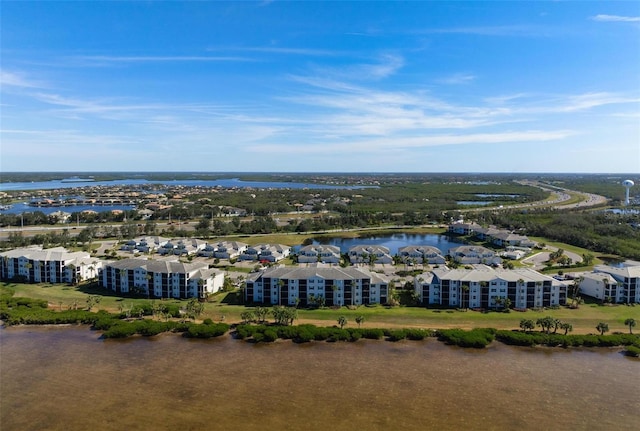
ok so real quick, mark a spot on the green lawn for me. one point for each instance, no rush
(583, 319)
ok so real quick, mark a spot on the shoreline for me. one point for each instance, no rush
(232, 334)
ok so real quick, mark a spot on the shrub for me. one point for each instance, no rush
(633, 351)
(476, 338)
(120, 330)
(206, 331)
(372, 333)
(417, 334)
(397, 335)
(269, 335)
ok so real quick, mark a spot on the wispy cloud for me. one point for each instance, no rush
(282, 50)
(105, 59)
(17, 79)
(458, 78)
(399, 143)
(499, 30)
(615, 18)
(383, 67)
(593, 100)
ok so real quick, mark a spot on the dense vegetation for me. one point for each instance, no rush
(20, 310)
(599, 231)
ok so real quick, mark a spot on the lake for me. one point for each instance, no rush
(395, 241)
(67, 378)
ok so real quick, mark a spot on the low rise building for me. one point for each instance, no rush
(485, 287)
(144, 244)
(316, 285)
(369, 254)
(625, 287)
(421, 254)
(319, 253)
(51, 265)
(223, 249)
(161, 278)
(474, 254)
(266, 252)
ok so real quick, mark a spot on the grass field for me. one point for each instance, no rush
(223, 306)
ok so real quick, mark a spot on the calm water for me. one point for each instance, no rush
(69, 379)
(228, 182)
(24, 208)
(395, 241)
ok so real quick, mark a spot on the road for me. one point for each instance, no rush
(558, 196)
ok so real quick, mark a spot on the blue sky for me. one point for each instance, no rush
(322, 87)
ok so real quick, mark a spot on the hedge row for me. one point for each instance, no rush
(24, 315)
(147, 328)
(518, 338)
(306, 333)
(476, 338)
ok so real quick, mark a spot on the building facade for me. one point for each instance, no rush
(484, 287)
(623, 286)
(52, 265)
(316, 285)
(161, 279)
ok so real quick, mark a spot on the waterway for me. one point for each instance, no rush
(69, 379)
(24, 207)
(225, 182)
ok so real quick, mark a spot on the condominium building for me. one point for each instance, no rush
(485, 287)
(51, 265)
(308, 285)
(161, 278)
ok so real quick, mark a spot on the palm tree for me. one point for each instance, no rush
(359, 319)
(602, 327)
(575, 289)
(342, 320)
(568, 327)
(631, 323)
(464, 289)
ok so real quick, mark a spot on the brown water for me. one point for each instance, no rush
(69, 379)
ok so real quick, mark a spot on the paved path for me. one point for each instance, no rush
(538, 260)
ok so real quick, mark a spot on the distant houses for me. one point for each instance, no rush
(319, 253)
(421, 254)
(496, 236)
(473, 254)
(266, 253)
(368, 254)
(223, 250)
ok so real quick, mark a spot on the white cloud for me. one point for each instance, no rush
(615, 18)
(16, 79)
(385, 145)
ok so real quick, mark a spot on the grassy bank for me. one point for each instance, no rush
(223, 307)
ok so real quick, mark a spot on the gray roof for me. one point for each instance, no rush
(484, 273)
(49, 254)
(160, 266)
(327, 273)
